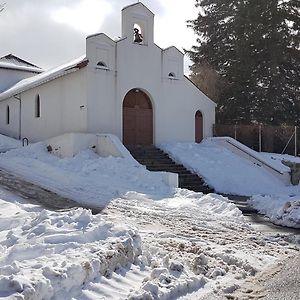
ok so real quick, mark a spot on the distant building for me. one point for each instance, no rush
(14, 69)
(130, 88)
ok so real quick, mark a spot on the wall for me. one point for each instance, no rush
(101, 84)
(176, 117)
(175, 100)
(11, 129)
(69, 144)
(63, 108)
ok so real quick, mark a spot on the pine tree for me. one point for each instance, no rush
(254, 46)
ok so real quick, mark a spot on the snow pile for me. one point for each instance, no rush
(7, 143)
(213, 204)
(280, 157)
(85, 178)
(281, 209)
(47, 255)
(226, 172)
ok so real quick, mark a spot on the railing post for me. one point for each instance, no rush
(235, 131)
(259, 138)
(295, 140)
(25, 142)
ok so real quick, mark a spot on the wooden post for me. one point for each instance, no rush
(259, 137)
(235, 131)
(295, 140)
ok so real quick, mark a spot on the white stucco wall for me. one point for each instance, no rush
(101, 85)
(63, 107)
(11, 129)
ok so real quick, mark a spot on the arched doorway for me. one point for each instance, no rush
(198, 127)
(137, 118)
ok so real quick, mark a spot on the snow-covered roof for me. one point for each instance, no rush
(13, 62)
(44, 77)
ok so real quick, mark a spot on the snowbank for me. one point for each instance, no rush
(279, 157)
(86, 178)
(225, 171)
(7, 143)
(282, 210)
(47, 255)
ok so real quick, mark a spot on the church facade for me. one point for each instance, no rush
(130, 88)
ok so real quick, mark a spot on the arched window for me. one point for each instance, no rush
(102, 64)
(172, 74)
(37, 106)
(7, 115)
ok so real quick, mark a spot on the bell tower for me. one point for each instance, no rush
(137, 24)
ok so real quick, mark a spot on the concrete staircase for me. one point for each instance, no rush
(157, 160)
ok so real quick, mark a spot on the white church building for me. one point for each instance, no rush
(128, 87)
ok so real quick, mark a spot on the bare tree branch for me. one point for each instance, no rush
(2, 5)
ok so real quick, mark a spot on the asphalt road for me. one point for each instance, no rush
(285, 283)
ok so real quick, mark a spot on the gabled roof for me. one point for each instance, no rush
(172, 47)
(44, 77)
(13, 62)
(140, 4)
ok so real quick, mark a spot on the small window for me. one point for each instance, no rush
(7, 115)
(172, 74)
(37, 106)
(102, 64)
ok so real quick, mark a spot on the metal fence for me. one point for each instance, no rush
(276, 139)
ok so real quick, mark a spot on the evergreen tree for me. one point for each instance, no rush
(254, 46)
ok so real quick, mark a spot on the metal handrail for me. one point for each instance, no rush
(261, 161)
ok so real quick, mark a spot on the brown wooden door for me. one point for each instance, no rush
(198, 127)
(137, 119)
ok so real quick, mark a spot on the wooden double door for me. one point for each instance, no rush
(137, 119)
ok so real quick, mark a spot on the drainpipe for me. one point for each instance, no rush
(20, 106)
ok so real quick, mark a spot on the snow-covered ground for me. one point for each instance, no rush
(150, 242)
(280, 157)
(87, 178)
(227, 172)
(231, 174)
(7, 143)
(187, 246)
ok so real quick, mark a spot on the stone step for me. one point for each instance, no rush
(156, 160)
(201, 189)
(190, 181)
(168, 169)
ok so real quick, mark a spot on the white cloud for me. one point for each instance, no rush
(86, 16)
